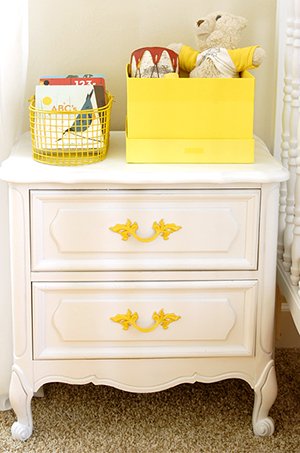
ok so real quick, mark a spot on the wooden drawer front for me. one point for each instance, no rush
(73, 320)
(71, 230)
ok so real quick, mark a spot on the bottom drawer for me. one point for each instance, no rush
(143, 319)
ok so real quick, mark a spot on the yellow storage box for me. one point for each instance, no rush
(190, 120)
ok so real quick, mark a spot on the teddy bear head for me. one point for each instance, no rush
(219, 29)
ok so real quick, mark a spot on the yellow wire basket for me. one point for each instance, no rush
(70, 138)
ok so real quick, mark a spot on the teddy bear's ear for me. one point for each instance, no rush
(230, 23)
(242, 22)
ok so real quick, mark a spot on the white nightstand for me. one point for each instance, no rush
(142, 277)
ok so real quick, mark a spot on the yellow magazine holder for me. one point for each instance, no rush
(182, 120)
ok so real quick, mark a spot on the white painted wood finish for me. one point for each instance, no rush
(289, 217)
(292, 145)
(74, 320)
(116, 173)
(71, 230)
(71, 275)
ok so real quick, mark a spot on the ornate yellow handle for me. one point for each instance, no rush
(129, 319)
(129, 229)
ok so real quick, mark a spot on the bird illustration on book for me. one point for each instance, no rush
(82, 120)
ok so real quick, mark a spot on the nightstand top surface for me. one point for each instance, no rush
(20, 168)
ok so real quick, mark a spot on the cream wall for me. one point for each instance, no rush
(78, 36)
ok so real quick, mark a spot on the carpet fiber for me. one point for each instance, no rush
(185, 419)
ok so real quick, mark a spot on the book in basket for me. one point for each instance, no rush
(66, 117)
(80, 79)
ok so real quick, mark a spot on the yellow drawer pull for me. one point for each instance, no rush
(129, 319)
(129, 229)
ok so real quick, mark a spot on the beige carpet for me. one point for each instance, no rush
(186, 419)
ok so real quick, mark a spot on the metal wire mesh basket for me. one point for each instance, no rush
(70, 138)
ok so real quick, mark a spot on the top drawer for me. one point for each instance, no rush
(72, 230)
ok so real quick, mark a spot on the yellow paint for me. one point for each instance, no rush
(129, 229)
(184, 151)
(130, 319)
(190, 120)
(55, 143)
(47, 100)
(171, 75)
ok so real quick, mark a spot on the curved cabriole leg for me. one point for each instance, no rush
(265, 395)
(20, 399)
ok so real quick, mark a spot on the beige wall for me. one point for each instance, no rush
(75, 36)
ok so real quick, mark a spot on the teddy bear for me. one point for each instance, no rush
(218, 54)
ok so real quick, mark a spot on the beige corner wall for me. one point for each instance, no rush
(79, 36)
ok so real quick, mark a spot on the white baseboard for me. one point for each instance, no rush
(287, 334)
(290, 293)
(288, 322)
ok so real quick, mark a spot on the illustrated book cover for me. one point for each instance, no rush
(71, 122)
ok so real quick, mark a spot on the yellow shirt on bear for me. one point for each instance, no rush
(243, 57)
(229, 62)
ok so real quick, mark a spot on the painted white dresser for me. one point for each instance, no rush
(142, 277)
